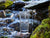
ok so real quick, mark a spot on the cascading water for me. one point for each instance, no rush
(26, 21)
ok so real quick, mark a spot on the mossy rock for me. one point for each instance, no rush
(43, 30)
(5, 5)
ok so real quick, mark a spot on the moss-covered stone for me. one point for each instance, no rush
(5, 4)
(43, 30)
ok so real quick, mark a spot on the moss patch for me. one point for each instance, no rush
(43, 30)
(5, 5)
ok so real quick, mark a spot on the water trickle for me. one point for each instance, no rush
(24, 25)
(23, 9)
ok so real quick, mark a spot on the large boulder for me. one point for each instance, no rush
(43, 30)
(42, 11)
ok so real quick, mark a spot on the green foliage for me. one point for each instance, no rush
(43, 30)
(5, 5)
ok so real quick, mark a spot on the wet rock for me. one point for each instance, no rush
(20, 4)
(42, 11)
(2, 14)
(42, 30)
(2, 24)
(9, 21)
(41, 16)
(16, 26)
(6, 31)
(17, 5)
(30, 28)
(37, 4)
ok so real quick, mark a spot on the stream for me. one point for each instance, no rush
(10, 32)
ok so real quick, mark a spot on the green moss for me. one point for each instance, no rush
(43, 30)
(5, 5)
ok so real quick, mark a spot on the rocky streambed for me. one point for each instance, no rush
(10, 19)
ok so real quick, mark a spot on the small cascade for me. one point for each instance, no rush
(23, 19)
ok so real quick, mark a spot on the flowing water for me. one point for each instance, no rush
(23, 26)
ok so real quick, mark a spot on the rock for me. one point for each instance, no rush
(2, 24)
(2, 14)
(26, 0)
(5, 29)
(43, 30)
(16, 26)
(9, 21)
(18, 5)
(41, 16)
(30, 28)
(36, 4)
